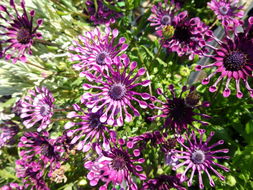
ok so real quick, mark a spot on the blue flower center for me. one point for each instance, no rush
(166, 20)
(23, 36)
(198, 157)
(117, 91)
(223, 10)
(100, 59)
(45, 110)
(235, 61)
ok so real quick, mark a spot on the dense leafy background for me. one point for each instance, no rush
(63, 22)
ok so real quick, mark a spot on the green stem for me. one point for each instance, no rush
(29, 63)
(45, 42)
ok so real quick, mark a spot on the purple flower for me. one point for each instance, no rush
(103, 14)
(97, 51)
(228, 11)
(200, 157)
(115, 165)
(19, 32)
(31, 174)
(116, 94)
(163, 182)
(38, 145)
(12, 186)
(8, 131)
(186, 36)
(37, 108)
(163, 17)
(178, 111)
(90, 130)
(233, 59)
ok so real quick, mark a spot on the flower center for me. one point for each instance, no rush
(45, 110)
(198, 157)
(47, 150)
(235, 61)
(23, 36)
(223, 10)
(94, 120)
(179, 111)
(166, 20)
(100, 59)
(118, 163)
(182, 34)
(117, 91)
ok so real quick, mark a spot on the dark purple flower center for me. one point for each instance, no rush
(182, 34)
(223, 10)
(94, 120)
(198, 157)
(47, 150)
(23, 36)
(235, 61)
(100, 59)
(45, 110)
(166, 19)
(117, 91)
(179, 111)
(118, 163)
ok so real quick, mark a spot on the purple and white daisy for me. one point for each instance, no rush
(180, 34)
(97, 50)
(37, 108)
(178, 111)
(91, 133)
(228, 11)
(19, 32)
(233, 60)
(103, 14)
(163, 182)
(8, 131)
(116, 94)
(48, 150)
(199, 157)
(31, 174)
(162, 17)
(116, 165)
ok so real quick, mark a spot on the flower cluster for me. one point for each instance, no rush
(103, 14)
(178, 33)
(228, 11)
(19, 32)
(114, 91)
